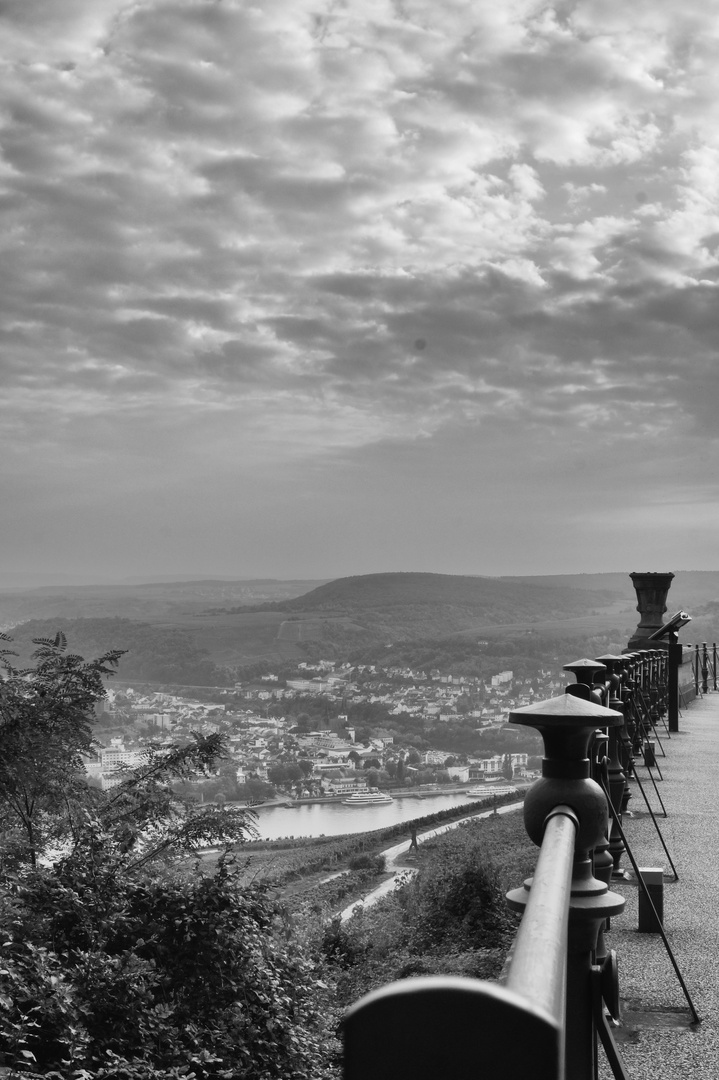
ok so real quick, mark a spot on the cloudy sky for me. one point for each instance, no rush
(323, 287)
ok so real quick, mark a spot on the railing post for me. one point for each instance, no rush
(589, 687)
(705, 669)
(675, 653)
(616, 775)
(567, 724)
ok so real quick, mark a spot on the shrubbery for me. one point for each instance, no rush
(450, 919)
(162, 973)
(117, 961)
(121, 959)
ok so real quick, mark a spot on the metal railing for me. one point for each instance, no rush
(422, 1024)
(559, 996)
(705, 667)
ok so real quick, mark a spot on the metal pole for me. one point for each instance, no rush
(674, 657)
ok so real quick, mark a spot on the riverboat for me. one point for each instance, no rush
(367, 798)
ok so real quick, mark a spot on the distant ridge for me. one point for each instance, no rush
(393, 607)
(494, 598)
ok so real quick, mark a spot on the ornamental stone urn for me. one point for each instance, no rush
(651, 590)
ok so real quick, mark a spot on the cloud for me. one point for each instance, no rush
(292, 232)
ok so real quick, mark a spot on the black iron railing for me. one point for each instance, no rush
(705, 667)
(559, 997)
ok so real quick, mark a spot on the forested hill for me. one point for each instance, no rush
(154, 653)
(355, 612)
(493, 600)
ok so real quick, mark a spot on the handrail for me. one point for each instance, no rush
(705, 663)
(532, 1001)
(538, 968)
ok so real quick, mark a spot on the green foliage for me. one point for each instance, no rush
(366, 861)
(45, 729)
(459, 900)
(160, 974)
(451, 919)
(115, 961)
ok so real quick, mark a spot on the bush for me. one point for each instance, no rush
(451, 918)
(164, 973)
(376, 863)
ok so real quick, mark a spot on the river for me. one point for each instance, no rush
(335, 819)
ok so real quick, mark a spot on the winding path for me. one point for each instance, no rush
(392, 854)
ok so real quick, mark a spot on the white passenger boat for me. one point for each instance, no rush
(373, 797)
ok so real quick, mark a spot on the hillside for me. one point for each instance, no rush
(176, 636)
(154, 653)
(375, 608)
(493, 599)
(155, 601)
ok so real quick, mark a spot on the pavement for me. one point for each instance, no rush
(656, 1037)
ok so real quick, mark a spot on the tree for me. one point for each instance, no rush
(304, 722)
(45, 730)
(119, 961)
(277, 774)
(507, 767)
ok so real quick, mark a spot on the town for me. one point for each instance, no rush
(327, 729)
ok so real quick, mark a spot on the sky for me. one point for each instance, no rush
(311, 288)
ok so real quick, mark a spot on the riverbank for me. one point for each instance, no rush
(423, 792)
(334, 817)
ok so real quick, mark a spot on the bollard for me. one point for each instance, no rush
(651, 921)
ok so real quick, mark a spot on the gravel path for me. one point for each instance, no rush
(656, 1037)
